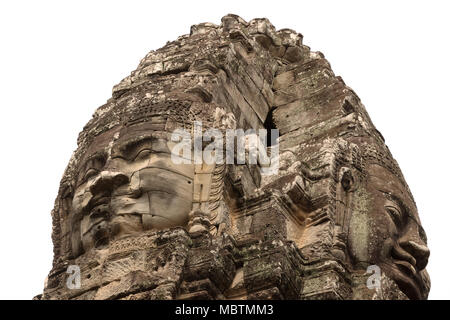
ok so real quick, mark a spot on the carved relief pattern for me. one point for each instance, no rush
(141, 228)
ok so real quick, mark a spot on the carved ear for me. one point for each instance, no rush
(348, 180)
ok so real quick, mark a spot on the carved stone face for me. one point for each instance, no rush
(127, 183)
(385, 230)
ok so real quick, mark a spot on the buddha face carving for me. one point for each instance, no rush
(385, 230)
(127, 183)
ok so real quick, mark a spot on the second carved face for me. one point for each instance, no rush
(385, 230)
(127, 184)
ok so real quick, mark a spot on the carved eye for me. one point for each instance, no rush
(90, 173)
(91, 168)
(143, 154)
(395, 214)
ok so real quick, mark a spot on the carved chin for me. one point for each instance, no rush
(409, 283)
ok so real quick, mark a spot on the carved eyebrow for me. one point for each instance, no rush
(99, 155)
(406, 210)
(130, 146)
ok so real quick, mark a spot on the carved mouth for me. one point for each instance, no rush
(407, 278)
(406, 274)
(99, 212)
(96, 227)
(101, 234)
(99, 207)
(98, 200)
(406, 267)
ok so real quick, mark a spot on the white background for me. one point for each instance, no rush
(59, 61)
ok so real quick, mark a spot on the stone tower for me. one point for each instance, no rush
(335, 219)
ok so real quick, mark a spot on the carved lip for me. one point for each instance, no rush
(408, 279)
(98, 200)
(95, 224)
(406, 267)
(98, 205)
(99, 211)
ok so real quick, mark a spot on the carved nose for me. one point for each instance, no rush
(413, 244)
(419, 251)
(107, 181)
